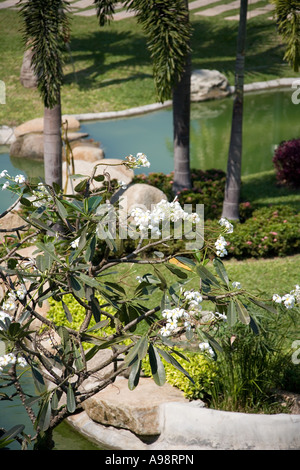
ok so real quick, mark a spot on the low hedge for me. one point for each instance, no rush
(261, 232)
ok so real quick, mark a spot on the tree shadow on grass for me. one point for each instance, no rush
(117, 51)
(108, 54)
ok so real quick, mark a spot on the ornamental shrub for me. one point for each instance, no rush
(287, 162)
(200, 367)
(271, 231)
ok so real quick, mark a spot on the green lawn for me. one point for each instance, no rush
(110, 68)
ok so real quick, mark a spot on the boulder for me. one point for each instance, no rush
(135, 410)
(88, 153)
(208, 84)
(141, 195)
(118, 171)
(37, 125)
(28, 146)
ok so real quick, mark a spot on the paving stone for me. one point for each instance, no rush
(222, 8)
(253, 13)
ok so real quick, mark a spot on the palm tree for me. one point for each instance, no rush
(234, 164)
(46, 27)
(167, 28)
(287, 15)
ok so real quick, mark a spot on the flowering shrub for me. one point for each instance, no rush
(271, 231)
(287, 162)
(78, 240)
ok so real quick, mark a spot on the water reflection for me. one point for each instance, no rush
(269, 118)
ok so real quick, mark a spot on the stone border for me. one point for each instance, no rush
(192, 427)
(257, 86)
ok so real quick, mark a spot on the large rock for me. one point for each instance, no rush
(136, 410)
(208, 84)
(37, 125)
(141, 195)
(116, 171)
(88, 153)
(28, 146)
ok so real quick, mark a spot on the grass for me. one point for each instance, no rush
(110, 68)
(262, 189)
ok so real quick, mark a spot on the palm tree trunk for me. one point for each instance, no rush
(52, 145)
(234, 165)
(181, 129)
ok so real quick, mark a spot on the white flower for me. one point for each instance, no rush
(220, 246)
(20, 179)
(138, 161)
(139, 278)
(6, 184)
(236, 285)
(75, 243)
(21, 292)
(3, 173)
(165, 331)
(224, 222)
(220, 315)
(288, 300)
(122, 184)
(277, 298)
(206, 347)
(22, 362)
(9, 305)
(3, 315)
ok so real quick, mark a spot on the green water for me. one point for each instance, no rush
(13, 413)
(269, 118)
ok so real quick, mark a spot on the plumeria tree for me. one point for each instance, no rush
(78, 240)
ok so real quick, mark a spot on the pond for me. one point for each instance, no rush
(269, 118)
(12, 413)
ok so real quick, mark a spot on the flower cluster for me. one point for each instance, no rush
(41, 195)
(192, 306)
(289, 300)
(163, 211)
(10, 358)
(20, 179)
(220, 245)
(140, 160)
(225, 223)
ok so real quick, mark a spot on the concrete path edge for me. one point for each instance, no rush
(190, 427)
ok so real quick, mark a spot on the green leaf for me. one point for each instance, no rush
(221, 271)
(44, 416)
(38, 379)
(157, 367)
(214, 344)
(67, 312)
(77, 287)
(242, 312)
(263, 305)
(207, 276)
(71, 402)
(134, 375)
(231, 313)
(54, 401)
(171, 360)
(61, 209)
(177, 271)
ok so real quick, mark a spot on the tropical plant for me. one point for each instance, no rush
(77, 240)
(168, 31)
(287, 15)
(46, 31)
